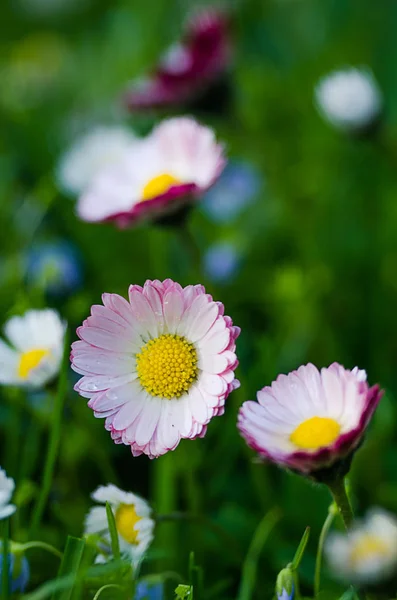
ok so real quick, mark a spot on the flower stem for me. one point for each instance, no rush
(320, 548)
(43, 546)
(341, 499)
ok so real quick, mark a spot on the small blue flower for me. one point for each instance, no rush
(55, 266)
(236, 189)
(19, 572)
(221, 262)
(149, 591)
(285, 595)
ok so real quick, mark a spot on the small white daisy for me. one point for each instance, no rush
(132, 516)
(349, 98)
(90, 155)
(37, 338)
(368, 553)
(7, 486)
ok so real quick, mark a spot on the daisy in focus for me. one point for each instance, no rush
(159, 367)
(189, 67)
(133, 521)
(349, 99)
(310, 419)
(7, 487)
(90, 154)
(368, 553)
(158, 175)
(35, 354)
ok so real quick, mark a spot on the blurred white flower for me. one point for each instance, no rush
(368, 553)
(7, 486)
(349, 99)
(90, 154)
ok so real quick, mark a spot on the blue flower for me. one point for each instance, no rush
(236, 188)
(221, 262)
(149, 591)
(19, 572)
(55, 266)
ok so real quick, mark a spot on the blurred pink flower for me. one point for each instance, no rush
(159, 367)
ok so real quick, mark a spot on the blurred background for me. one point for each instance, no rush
(298, 239)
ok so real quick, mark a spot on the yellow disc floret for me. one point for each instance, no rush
(126, 519)
(30, 360)
(315, 433)
(159, 185)
(367, 547)
(167, 366)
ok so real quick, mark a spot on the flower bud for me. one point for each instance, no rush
(285, 584)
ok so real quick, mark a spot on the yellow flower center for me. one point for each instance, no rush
(30, 360)
(314, 433)
(167, 366)
(368, 546)
(126, 519)
(158, 185)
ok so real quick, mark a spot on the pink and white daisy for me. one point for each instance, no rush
(309, 419)
(188, 67)
(158, 367)
(158, 175)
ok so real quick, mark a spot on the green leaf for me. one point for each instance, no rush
(70, 565)
(114, 536)
(301, 549)
(349, 594)
(5, 584)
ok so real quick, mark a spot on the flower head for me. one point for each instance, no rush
(55, 266)
(349, 99)
(7, 486)
(367, 554)
(158, 367)
(188, 67)
(90, 155)
(18, 570)
(37, 340)
(285, 584)
(309, 419)
(174, 165)
(132, 517)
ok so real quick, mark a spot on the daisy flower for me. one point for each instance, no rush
(132, 516)
(349, 99)
(174, 165)
(7, 486)
(310, 419)
(187, 67)
(37, 347)
(158, 367)
(368, 553)
(90, 155)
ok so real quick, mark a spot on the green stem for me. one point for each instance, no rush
(107, 587)
(42, 546)
(165, 500)
(5, 584)
(324, 532)
(341, 499)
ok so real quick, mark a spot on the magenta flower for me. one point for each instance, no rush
(158, 175)
(186, 68)
(158, 367)
(310, 419)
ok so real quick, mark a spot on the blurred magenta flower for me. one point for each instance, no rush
(55, 267)
(237, 187)
(349, 99)
(18, 569)
(368, 553)
(159, 367)
(158, 175)
(189, 67)
(221, 262)
(310, 419)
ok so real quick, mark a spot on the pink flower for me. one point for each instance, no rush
(186, 68)
(158, 367)
(309, 419)
(160, 174)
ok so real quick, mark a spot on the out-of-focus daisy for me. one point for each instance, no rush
(7, 486)
(221, 262)
(55, 267)
(18, 570)
(158, 367)
(174, 165)
(367, 554)
(236, 188)
(349, 99)
(132, 516)
(91, 154)
(309, 419)
(189, 67)
(37, 347)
